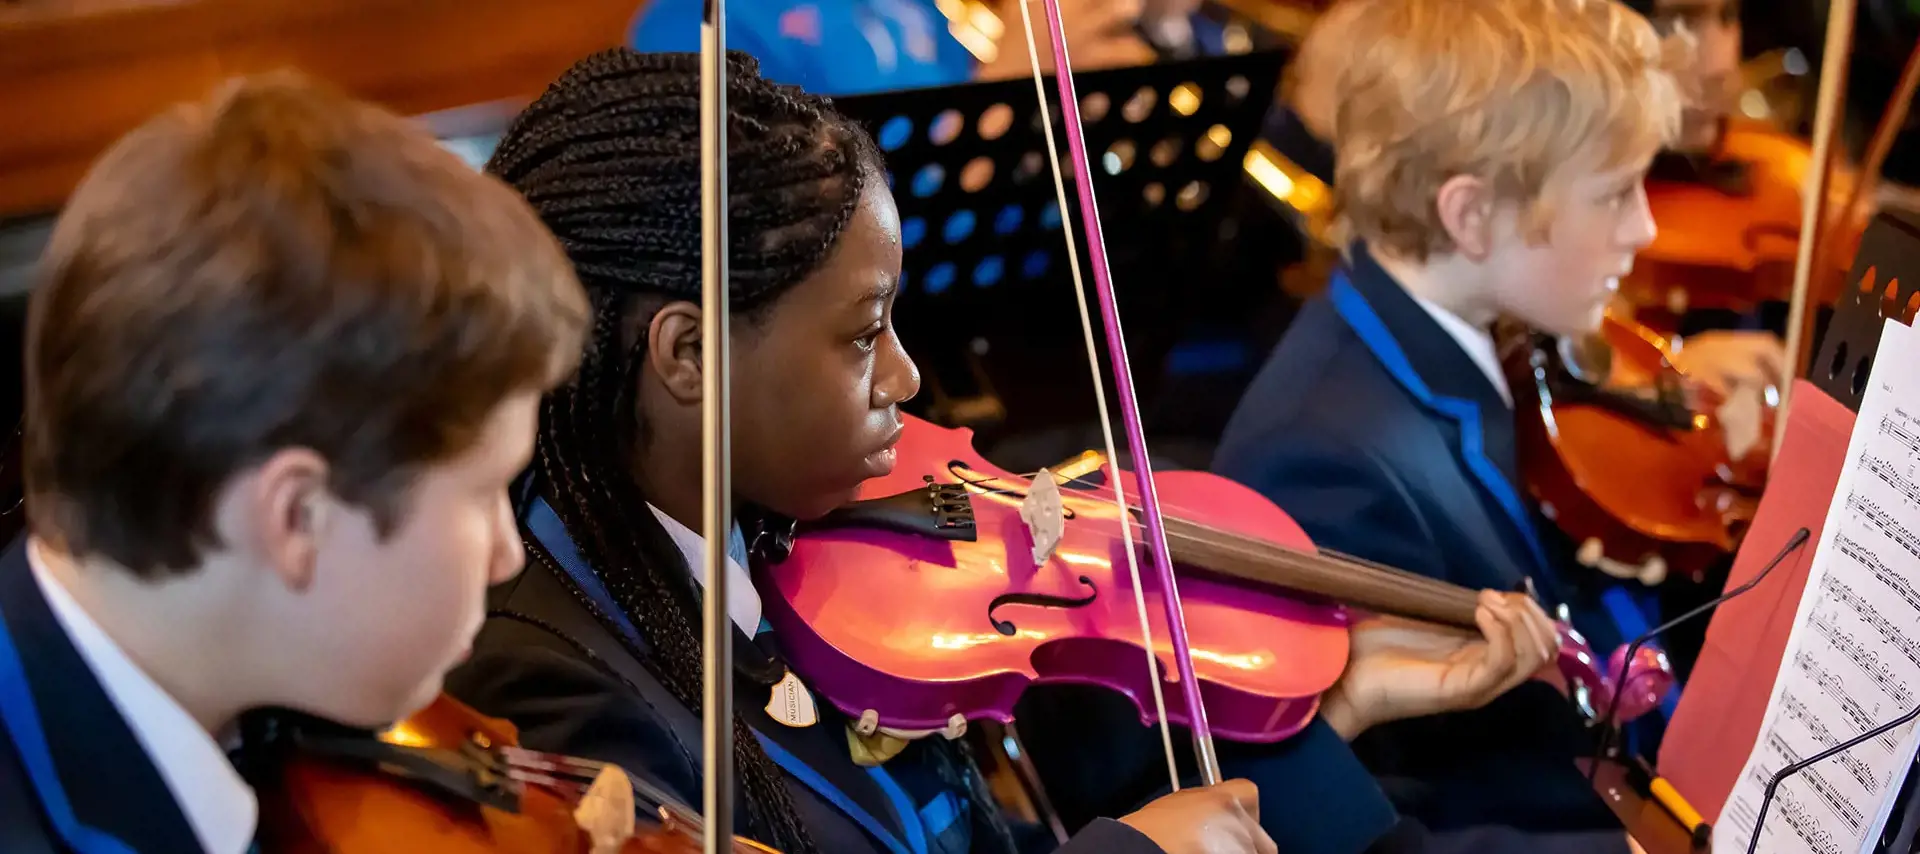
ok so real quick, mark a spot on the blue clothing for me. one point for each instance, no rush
(1381, 437)
(848, 47)
(550, 660)
(73, 776)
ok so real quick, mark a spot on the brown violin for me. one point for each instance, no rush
(451, 781)
(1648, 475)
(1728, 233)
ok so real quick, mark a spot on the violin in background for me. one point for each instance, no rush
(1729, 227)
(1648, 474)
(451, 781)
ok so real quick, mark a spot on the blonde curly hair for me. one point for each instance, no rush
(1510, 91)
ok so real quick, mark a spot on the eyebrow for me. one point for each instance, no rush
(879, 293)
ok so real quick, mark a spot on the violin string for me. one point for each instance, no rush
(1259, 550)
(1001, 486)
(1100, 397)
(574, 775)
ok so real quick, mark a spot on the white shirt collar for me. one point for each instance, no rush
(1476, 341)
(219, 805)
(743, 602)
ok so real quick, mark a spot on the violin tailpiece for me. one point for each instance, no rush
(940, 510)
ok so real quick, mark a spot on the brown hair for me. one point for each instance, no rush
(276, 266)
(1511, 91)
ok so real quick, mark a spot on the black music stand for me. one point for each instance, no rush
(1885, 283)
(987, 304)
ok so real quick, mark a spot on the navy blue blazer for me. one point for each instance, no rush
(73, 777)
(550, 664)
(1380, 435)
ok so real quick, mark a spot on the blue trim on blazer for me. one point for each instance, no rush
(940, 813)
(1353, 308)
(22, 722)
(552, 533)
(805, 774)
(902, 809)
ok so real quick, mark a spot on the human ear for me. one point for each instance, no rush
(1465, 203)
(282, 510)
(673, 350)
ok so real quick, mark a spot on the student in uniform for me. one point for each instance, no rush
(595, 651)
(1489, 160)
(284, 357)
(1303, 129)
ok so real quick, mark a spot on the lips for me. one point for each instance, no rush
(880, 462)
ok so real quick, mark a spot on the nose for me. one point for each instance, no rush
(896, 378)
(509, 555)
(1637, 228)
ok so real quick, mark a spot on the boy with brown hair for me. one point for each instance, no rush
(283, 359)
(1488, 162)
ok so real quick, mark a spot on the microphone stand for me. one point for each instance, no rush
(1773, 785)
(1794, 543)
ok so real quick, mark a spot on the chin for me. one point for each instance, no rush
(816, 506)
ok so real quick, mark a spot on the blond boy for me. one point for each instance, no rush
(1489, 159)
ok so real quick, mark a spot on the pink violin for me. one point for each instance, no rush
(922, 601)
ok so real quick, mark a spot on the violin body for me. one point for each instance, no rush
(437, 782)
(1644, 483)
(906, 625)
(1732, 247)
(920, 630)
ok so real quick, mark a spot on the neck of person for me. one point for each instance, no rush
(1455, 284)
(668, 469)
(206, 669)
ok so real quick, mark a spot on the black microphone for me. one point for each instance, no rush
(1773, 785)
(1794, 543)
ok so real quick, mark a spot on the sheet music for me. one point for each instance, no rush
(1853, 658)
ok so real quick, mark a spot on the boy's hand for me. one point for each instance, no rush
(1223, 819)
(1401, 669)
(1723, 360)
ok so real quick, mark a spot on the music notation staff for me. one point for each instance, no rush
(1843, 593)
(1881, 572)
(1836, 688)
(1900, 426)
(1861, 771)
(1886, 523)
(1855, 660)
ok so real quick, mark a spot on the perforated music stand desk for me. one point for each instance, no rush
(984, 256)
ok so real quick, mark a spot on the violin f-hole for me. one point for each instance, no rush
(1042, 600)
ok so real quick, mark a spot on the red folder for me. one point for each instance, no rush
(1720, 712)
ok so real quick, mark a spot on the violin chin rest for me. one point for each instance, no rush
(940, 510)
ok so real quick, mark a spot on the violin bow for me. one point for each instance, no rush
(1203, 748)
(715, 434)
(1826, 126)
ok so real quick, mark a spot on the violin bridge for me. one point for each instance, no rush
(1045, 515)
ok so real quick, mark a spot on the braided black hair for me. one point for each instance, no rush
(609, 156)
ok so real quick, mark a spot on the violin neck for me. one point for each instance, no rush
(1350, 581)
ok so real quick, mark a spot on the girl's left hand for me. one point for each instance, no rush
(1400, 668)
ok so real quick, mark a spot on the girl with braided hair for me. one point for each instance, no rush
(594, 651)
(598, 652)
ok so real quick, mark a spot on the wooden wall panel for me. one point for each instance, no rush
(75, 74)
